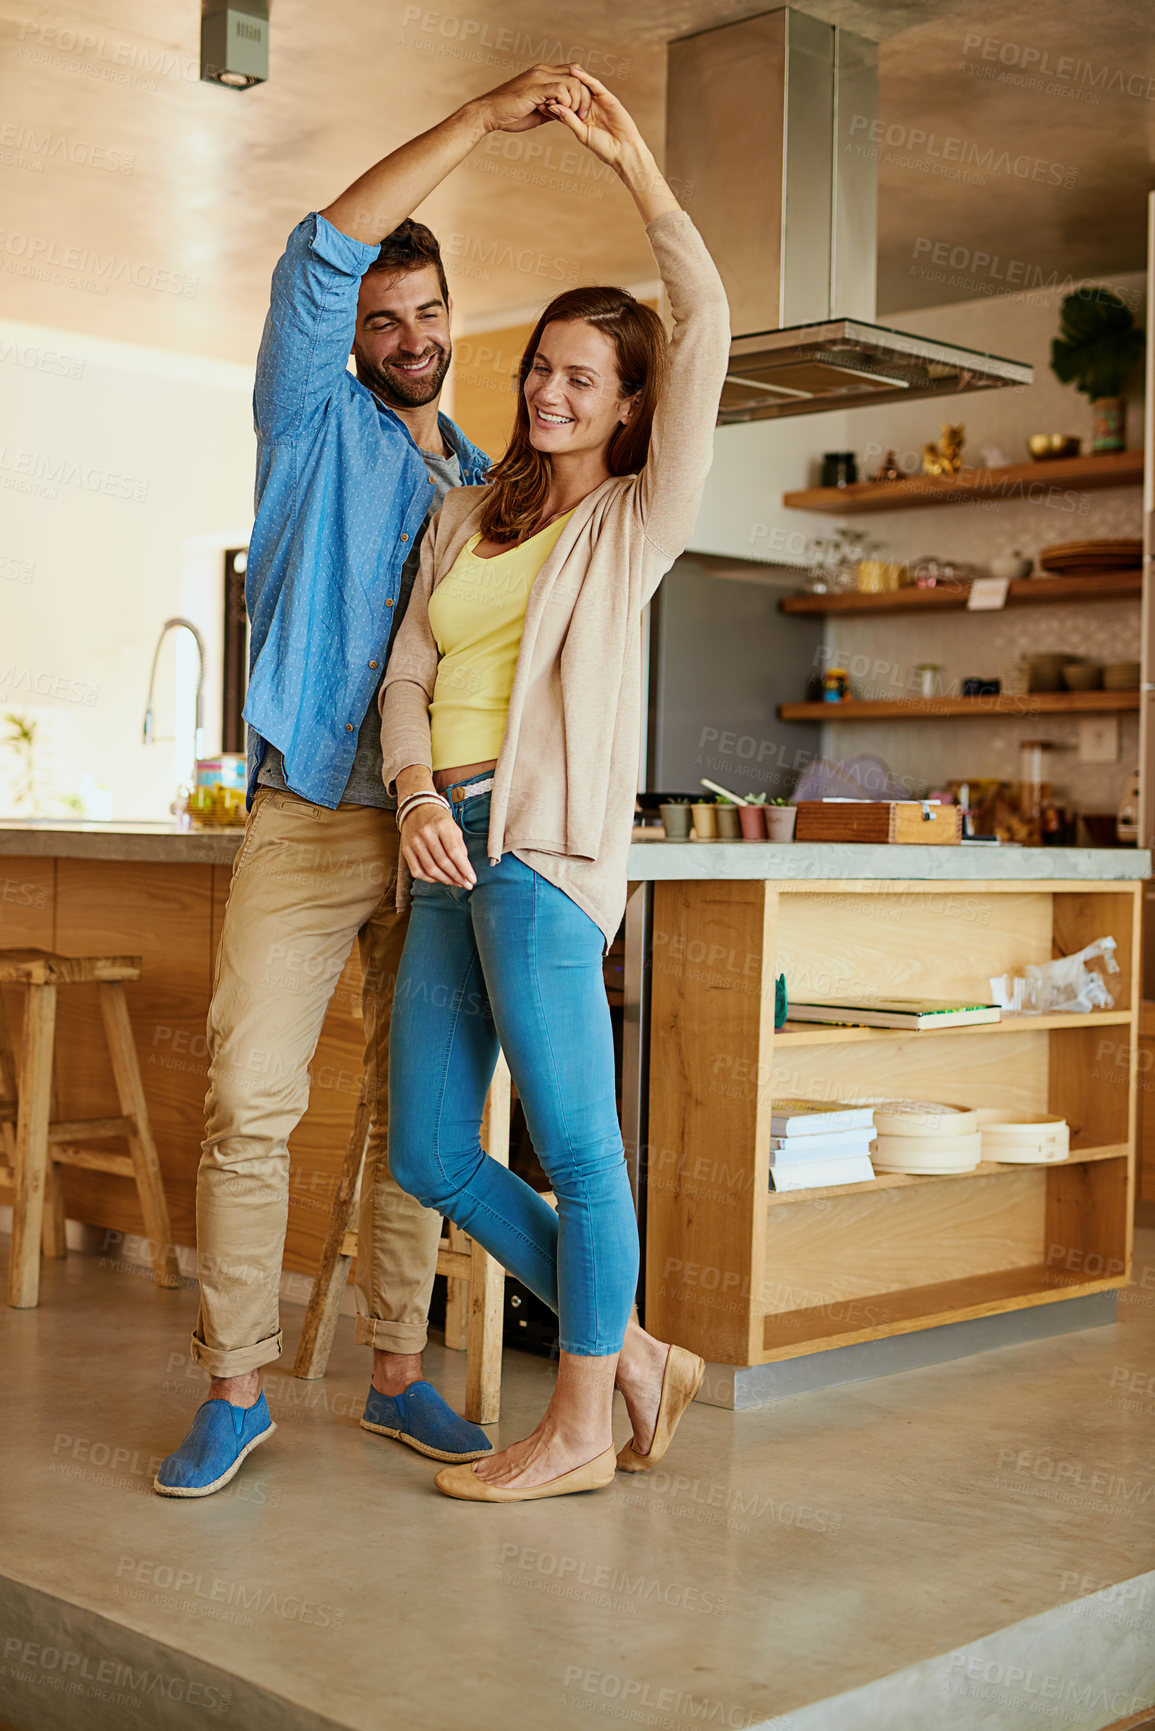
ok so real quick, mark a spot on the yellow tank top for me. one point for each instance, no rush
(476, 614)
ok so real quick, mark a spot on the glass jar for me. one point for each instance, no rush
(1034, 785)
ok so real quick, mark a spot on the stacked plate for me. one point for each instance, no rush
(1121, 676)
(1077, 558)
(925, 1136)
(1023, 1138)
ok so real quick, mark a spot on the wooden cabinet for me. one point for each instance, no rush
(747, 1277)
(170, 914)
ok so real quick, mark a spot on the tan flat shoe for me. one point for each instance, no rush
(463, 1482)
(681, 1381)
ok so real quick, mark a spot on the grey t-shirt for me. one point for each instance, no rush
(365, 786)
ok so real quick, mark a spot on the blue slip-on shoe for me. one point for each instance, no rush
(210, 1455)
(418, 1416)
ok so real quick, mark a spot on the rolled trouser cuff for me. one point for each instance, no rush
(236, 1361)
(390, 1336)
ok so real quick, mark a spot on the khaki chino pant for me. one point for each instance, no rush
(307, 882)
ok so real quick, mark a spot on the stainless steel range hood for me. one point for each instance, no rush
(770, 138)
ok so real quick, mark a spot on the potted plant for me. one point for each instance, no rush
(705, 823)
(780, 815)
(676, 819)
(752, 818)
(1096, 350)
(727, 819)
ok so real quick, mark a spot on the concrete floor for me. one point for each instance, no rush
(941, 1548)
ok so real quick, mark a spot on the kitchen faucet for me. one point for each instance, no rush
(198, 736)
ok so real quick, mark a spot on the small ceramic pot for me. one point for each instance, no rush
(753, 821)
(727, 819)
(780, 822)
(705, 824)
(676, 821)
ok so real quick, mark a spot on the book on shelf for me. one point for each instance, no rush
(893, 1012)
(820, 1174)
(818, 1118)
(788, 1149)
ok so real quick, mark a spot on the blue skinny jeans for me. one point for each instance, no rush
(515, 961)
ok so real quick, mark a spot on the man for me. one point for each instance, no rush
(349, 470)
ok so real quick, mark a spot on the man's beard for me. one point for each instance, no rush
(398, 389)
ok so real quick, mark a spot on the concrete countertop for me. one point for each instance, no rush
(59, 838)
(657, 860)
(665, 860)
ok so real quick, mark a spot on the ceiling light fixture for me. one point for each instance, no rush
(235, 44)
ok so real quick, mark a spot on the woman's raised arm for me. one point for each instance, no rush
(682, 437)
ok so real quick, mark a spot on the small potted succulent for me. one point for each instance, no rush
(705, 819)
(752, 817)
(727, 818)
(780, 816)
(1097, 349)
(676, 819)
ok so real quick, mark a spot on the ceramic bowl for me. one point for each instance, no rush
(1012, 566)
(1082, 676)
(1045, 672)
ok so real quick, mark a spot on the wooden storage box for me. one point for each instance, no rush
(878, 820)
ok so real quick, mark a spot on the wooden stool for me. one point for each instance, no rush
(41, 1142)
(473, 1311)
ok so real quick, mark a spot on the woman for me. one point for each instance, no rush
(510, 729)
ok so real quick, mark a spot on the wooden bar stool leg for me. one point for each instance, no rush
(53, 1233)
(8, 1088)
(487, 1277)
(324, 1305)
(145, 1161)
(53, 1236)
(457, 1295)
(32, 1146)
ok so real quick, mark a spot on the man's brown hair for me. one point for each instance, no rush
(411, 246)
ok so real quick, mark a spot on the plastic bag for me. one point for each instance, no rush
(1067, 985)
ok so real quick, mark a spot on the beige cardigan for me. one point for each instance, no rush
(567, 773)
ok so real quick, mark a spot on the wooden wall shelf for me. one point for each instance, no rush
(1025, 592)
(969, 708)
(1032, 483)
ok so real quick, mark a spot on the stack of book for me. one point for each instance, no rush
(813, 1144)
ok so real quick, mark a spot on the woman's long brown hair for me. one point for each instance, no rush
(520, 480)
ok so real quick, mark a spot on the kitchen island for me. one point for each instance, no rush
(784, 1292)
(778, 1292)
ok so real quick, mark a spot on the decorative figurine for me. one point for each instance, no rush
(889, 469)
(945, 458)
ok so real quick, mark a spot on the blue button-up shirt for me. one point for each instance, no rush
(342, 491)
